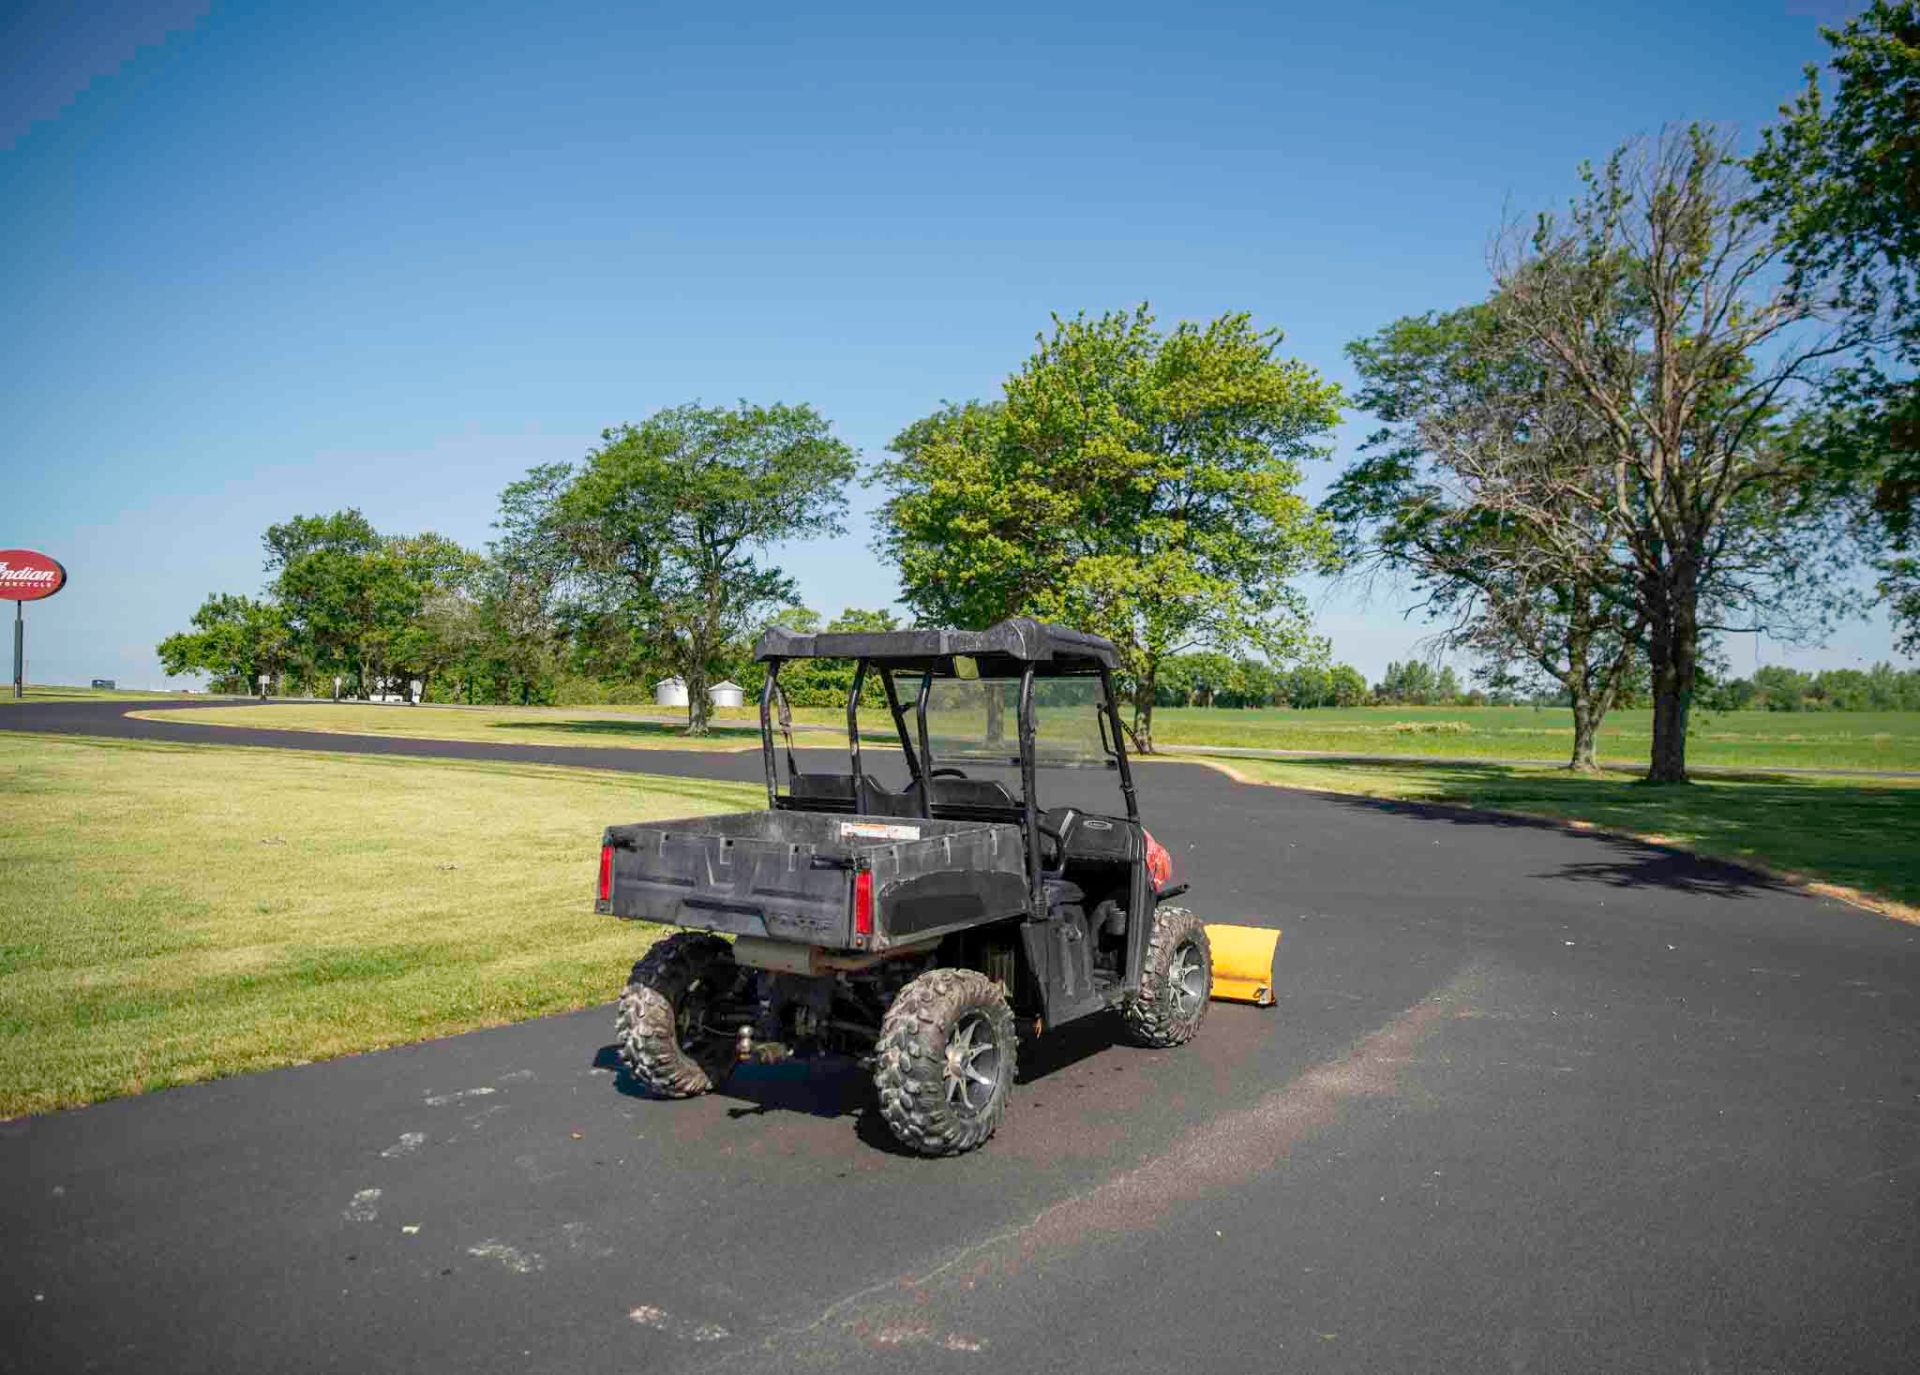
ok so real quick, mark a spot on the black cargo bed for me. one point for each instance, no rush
(791, 875)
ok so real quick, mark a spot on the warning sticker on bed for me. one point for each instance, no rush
(877, 830)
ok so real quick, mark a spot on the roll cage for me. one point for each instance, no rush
(1018, 651)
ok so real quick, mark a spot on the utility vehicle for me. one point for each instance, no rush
(919, 924)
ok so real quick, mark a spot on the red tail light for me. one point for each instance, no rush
(606, 873)
(863, 903)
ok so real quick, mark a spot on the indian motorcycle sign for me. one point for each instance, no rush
(27, 577)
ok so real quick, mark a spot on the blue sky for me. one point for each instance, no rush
(267, 260)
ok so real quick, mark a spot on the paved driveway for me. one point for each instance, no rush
(1530, 1101)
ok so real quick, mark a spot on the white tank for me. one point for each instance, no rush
(670, 692)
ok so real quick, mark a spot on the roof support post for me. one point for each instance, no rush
(1029, 813)
(1119, 744)
(766, 732)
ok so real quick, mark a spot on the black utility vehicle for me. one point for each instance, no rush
(920, 925)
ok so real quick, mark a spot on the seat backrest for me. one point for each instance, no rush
(821, 787)
(971, 792)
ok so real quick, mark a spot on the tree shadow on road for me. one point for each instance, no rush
(1623, 863)
(610, 728)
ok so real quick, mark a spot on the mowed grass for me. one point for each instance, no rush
(170, 914)
(585, 726)
(1858, 833)
(52, 693)
(1741, 739)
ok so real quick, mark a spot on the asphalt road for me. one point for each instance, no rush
(1530, 1101)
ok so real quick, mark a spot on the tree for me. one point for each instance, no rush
(525, 585)
(667, 521)
(1659, 303)
(822, 682)
(444, 635)
(345, 596)
(853, 620)
(234, 640)
(1139, 484)
(1410, 684)
(1843, 180)
(1478, 486)
(1347, 686)
(1308, 686)
(1779, 688)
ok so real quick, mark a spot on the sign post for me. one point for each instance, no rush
(26, 576)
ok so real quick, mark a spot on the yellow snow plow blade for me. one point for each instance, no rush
(1243, 962)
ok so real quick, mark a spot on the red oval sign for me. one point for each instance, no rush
(27, 577)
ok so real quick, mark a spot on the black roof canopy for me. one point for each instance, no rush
(1012, 643)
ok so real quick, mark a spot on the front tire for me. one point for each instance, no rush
(659, 1029)
(945, 1061)
(1175, 979)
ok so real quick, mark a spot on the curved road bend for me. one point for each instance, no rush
(1530, 1101)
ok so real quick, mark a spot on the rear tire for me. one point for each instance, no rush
(658, 1028)
(1175, 980)
(945, 1061)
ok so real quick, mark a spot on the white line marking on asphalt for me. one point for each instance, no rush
(408, 1143)
(365, 1206)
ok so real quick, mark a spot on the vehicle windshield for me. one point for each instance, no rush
(978, 720)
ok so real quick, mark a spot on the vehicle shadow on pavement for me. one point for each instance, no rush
(832, 1085)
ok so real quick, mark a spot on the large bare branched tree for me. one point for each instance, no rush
(1660, 305)
(1474, 488)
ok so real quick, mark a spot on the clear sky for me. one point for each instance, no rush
(267, 260)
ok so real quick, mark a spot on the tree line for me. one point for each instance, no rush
(1685, 410)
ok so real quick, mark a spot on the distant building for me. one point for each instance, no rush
(670, 692)
(726, 693)
(103, 683)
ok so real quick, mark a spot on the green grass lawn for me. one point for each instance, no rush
(54, 693)
(170, 913)
(1744, 739)
(1856, 833)
(503, 725)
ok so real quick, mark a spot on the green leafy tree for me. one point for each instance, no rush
(853, 620)
(1779, 688)
(443, 637)
(234, 640)
(1139, 484)
(1347, 685)
(668, 520)
(819, 682)
(1413, 683)
(345, 598)
(1841, 175)
(1309, 685)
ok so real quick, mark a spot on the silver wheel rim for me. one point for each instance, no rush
(973, 1064)
(1186, 978)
